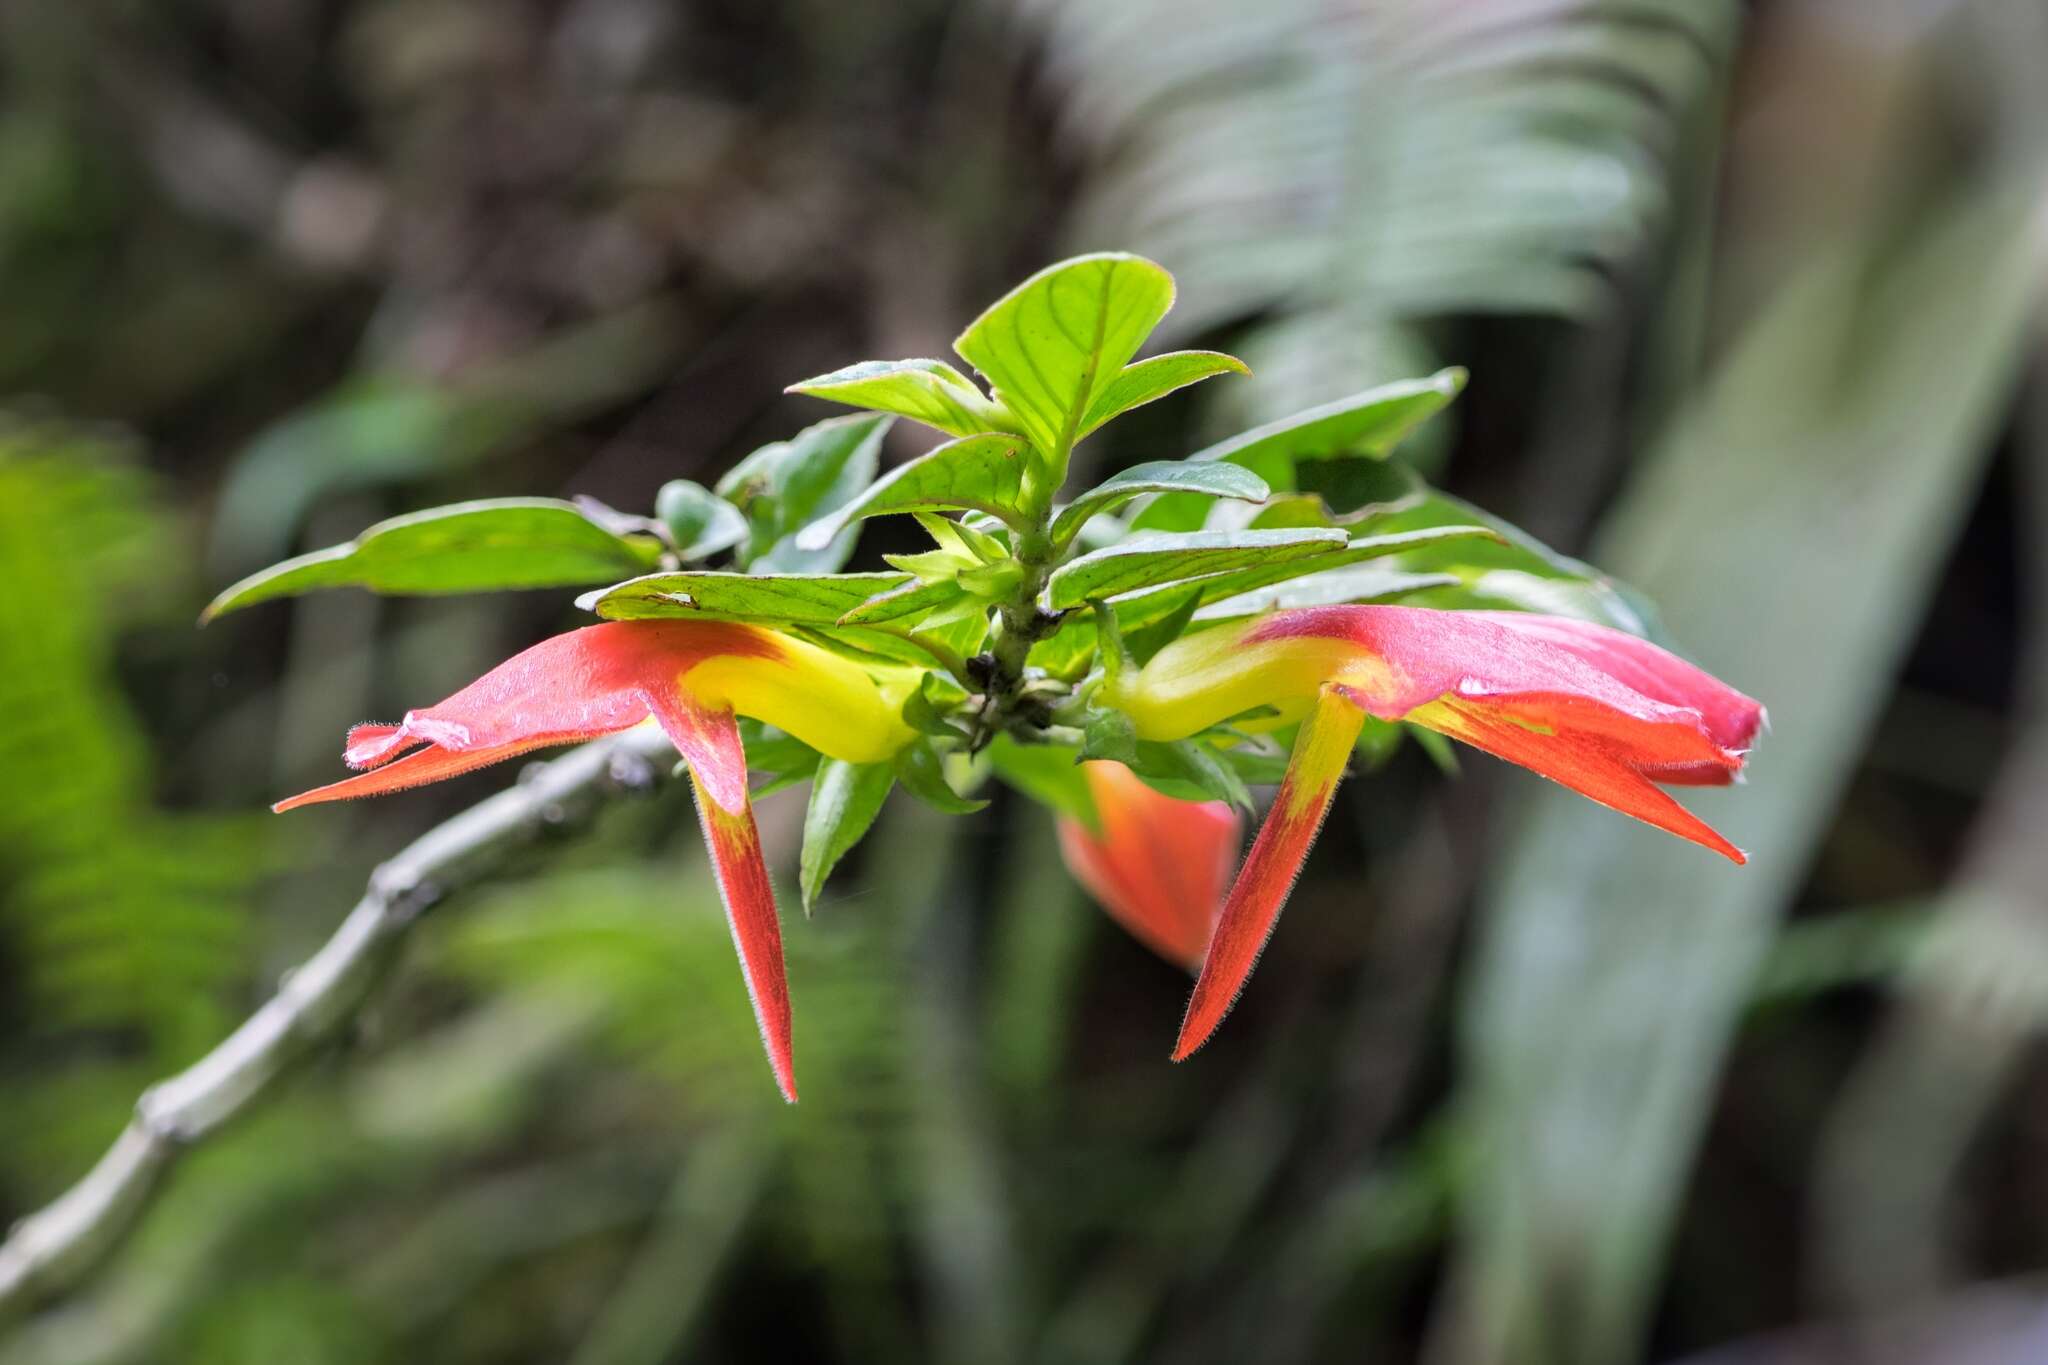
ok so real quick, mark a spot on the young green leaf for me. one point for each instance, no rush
(804, 599)
(930, 714)
(845, 799)
(1367, 424)
(701, 522)
(465, 547)
(923, 774)
(979, 546)
(1153, 379)
(1109, 734)
(785, 486)
(1053, 345)
(1211, 479)
(927, 391)
(1167, 559)
(985, 473)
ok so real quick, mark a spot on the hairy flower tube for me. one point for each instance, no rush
(694, 678)
(1158, 865)
(1604, 713)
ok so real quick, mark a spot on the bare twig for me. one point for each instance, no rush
(51, 1250)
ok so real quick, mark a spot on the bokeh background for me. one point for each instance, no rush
(1752, 299)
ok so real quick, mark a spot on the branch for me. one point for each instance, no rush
(52, 1250)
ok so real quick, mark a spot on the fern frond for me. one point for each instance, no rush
(1346, 171)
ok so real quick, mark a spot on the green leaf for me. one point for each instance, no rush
(1206, 479)
(873, 647)
(1353, 583)
(1152, 560)
(783, 759)
(787, 485)
(927, 391)
(1198, 764)
(1511, 568)
(923, 774)
(930, 714)
(701, 522)
(948, 534)
(803, 599)
(1109, 734)
(845, 799)
(985, 473)
(1136, 610)
(1368, 424)
(1068, 651)
(1149, 637)
(464, 547)
(1056, 343)
(1047, 773)
(908, 599)
(1153, 379)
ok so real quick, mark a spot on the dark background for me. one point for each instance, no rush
(1750, 298)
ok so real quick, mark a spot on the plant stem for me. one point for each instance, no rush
(51, 1250)
(1020, 624)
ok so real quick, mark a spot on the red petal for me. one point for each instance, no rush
(1410, 656)
(369, 745)
(1159, 866)
(1590, 764)
(1321, 750)
(1731, 718)
(750, 912)
(577, 686)
(413, 770)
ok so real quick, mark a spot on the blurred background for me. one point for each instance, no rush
(1752, 299)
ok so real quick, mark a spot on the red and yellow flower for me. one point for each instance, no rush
(693, 679)
(1606, 714)
(1158, 865)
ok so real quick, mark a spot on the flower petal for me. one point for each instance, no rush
(571, 687)
(1732, 719)
(1407, 657)
(1321, 749)
(1159, 865)
(413, 770)
(746, 891)
(1589, 764)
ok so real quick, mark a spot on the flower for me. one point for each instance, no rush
(693, 678)
(1601, 712)
(1158, 865)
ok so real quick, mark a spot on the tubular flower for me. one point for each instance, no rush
(1158, 865)
(693, 678)
(1601, 712)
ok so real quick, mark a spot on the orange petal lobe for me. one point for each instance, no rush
(748, 895)
(1321, 750)
(1590, 764)
(413, 770)
(1159, 865)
